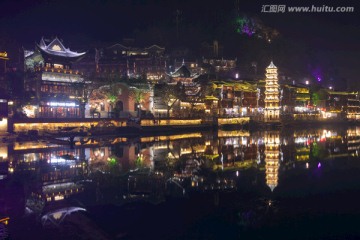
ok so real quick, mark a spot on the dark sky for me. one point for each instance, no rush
(90, 21)
(28, 20)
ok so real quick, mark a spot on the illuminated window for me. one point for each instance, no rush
(56, 48)
(60, 66)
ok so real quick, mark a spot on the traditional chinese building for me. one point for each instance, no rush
(56, 90)
(272, 101)
(181, 83)
(296, 102)
(193, 66)
(132, 62)
(224, 67)
(157, 66)
(182, 74)
(338, 104)
(236, 98)
(353, 140)
(295, 98)
(353, 106)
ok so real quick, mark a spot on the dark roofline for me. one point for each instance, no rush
(154, 45)
(118, 44)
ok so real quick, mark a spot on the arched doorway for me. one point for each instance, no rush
(120, 106)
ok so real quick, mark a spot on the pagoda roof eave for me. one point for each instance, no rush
(182, 71)
(272, 65)
(67, 54)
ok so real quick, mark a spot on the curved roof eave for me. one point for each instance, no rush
(67, 53)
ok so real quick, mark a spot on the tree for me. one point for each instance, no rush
(106, 87)
(90, 88)
(169, 94)
(111, 93)
(317, 97)
(138, 95)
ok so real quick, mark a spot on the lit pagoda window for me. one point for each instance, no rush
(56, 48)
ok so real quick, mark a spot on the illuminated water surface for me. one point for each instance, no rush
(284, 184)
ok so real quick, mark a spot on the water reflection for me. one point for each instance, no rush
(51, 180)
(272, 153)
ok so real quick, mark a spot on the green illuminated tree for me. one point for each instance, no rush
(315, 98)
(318, 96)
(138, 95)
(109, 91)
(318, 151)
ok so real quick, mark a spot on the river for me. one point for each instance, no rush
(278, 184)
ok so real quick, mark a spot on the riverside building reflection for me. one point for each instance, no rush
(98, 171)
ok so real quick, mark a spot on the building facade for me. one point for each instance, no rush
(339, 104)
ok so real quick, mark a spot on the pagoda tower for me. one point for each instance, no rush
(272, 101)
(272, 153)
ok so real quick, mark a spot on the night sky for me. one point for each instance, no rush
(90, 22)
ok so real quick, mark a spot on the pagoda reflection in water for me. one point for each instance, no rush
(272, 153)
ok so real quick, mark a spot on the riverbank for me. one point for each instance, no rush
(31, 129)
